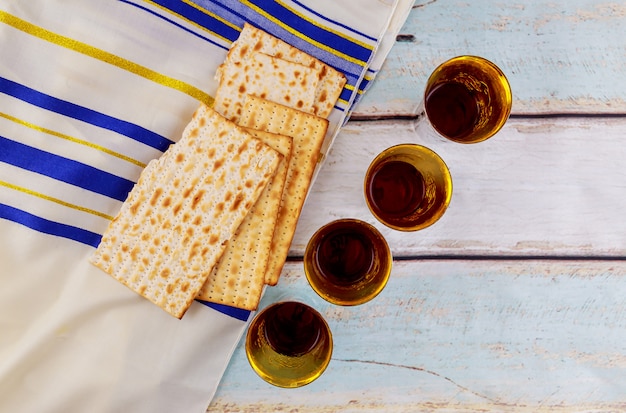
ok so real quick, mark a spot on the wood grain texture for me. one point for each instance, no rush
(514, 300)
(560, 57)
(457, 335)
(554, 187)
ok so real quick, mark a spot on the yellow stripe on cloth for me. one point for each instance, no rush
(303, 36)
(328, 29)
(180, 16)
(351, 88)
(72, 139)
(55, 200)
(209, 13)
(105, 56)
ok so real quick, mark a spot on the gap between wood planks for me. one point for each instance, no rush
(503, 256)
(413, 117)
(493, 257)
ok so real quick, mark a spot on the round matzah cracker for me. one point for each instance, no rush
(308, 133)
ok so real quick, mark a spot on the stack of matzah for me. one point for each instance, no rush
(288, 76)
(214, 217)
(178, 218)
(269, 86)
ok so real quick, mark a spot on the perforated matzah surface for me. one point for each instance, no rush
(186, 205)
(308, 133)
(239, 276)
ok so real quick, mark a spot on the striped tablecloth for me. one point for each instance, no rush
(90, 92)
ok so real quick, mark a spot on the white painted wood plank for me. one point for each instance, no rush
(560, 57)
(530, 336)
(539, 187)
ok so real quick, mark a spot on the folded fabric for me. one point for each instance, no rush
(90, 92)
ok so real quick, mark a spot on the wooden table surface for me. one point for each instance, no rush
(515, 299)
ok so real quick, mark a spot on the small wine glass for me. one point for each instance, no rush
(467, 99)
(289, 344)
(408, 187)
(347, 262)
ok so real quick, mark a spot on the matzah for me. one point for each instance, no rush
(308, 133)
(290, 84)
(177, 219)
(239, 276)
(253, 40)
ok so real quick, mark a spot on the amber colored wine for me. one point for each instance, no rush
(345, 255)
(453, 110)
(396, 189)
(407, 187)
(292, 329)
(289, 344)
(467, 99)
(347, 262)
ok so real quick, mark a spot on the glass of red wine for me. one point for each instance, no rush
(467, 99)
(408, 187)
(289, 344)
(347, 262)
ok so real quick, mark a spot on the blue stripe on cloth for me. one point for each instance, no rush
(219, 10)
(234, 312)
(172, 22)
(84, 114)
(321, 16)
(64, 169)
(49, 227)
(364, 85)
(313, 31)
(92, 239)
(245, 13)
(345, 94)
(202, 19)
